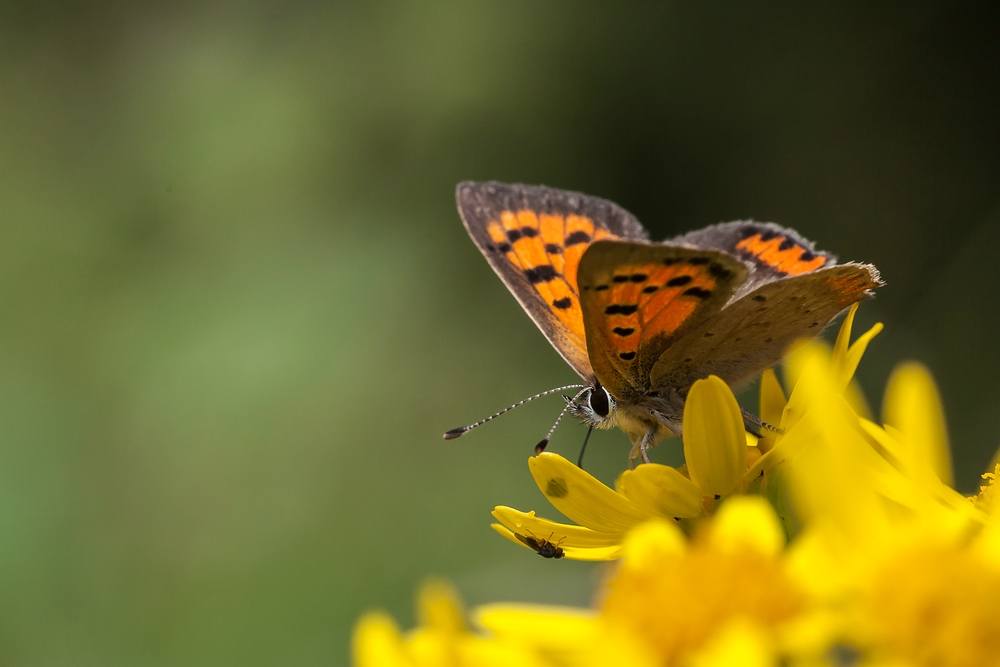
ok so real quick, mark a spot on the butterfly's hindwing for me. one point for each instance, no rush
(773, 251)
(638, 298)
(534, 238)
(755, 331)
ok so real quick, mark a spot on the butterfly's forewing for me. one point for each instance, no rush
(756, 330)
(534, 237)
(639, 298)
(774, 252)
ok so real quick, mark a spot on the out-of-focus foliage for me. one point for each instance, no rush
(240, 309)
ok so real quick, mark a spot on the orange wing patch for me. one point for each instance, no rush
(781, 253)
(649, 300)
(638, 298)
(546, 249)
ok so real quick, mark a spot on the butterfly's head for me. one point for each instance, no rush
(596, 408)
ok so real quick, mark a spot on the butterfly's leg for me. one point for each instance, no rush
(634, 453)
(647, 442)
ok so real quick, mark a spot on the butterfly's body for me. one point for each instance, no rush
(642, 321)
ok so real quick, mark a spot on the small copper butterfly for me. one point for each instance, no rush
(640, 321)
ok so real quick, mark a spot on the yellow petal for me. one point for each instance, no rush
(747, 521)
(582, 497)
(526, 523)
(661, 490)
(772, 404)
(739, 644)
(653, 542)
(438, 608)
(715, 449)
(856, 351)
(377, 643)
(537, 624)
(913, 406)
(570, 551)
(839, 356)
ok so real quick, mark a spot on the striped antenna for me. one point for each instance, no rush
(456, 432)
(570, 402)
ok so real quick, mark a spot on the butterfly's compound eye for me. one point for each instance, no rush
(599, 401)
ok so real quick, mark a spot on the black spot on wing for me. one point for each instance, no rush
(624, 331)
(503, 247)
(719, 271)
(621, 309)
(698, 292)
(786, 244)
(513, 235)
(670, 261)
(679, 281)
(638, 277)
(649, 289)
(529, 232)
(807, 256)
(699, 261)
(627, 356)
(563, 303)
(578, 237)
(620, 279)
(601, 288)
(553, 249)
(541, 274)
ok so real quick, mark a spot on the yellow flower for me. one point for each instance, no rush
(672, 600)
(717, 451)
(442, 640)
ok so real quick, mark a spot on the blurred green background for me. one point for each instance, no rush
(240, 308)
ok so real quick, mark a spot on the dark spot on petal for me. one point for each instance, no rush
(620, 279)
(649, 289)
(627, 356)
(638, 277)
(553, 249)
(624, 331)
(556, 488)
(601, 288)
(621, 309)
(513, 235)
(762, 298)
(563, 303)
(699, 261)
(578, 237)
(529, 232)
(698, 292)
(786, 244)
(541, 274)
(503, 247)
(679, 281)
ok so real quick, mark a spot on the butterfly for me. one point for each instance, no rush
(641, 321)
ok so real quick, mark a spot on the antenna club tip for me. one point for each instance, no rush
(455, 432)
(540, 447)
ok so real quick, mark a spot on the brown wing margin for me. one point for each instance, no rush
(534, 238)
(755, 331)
